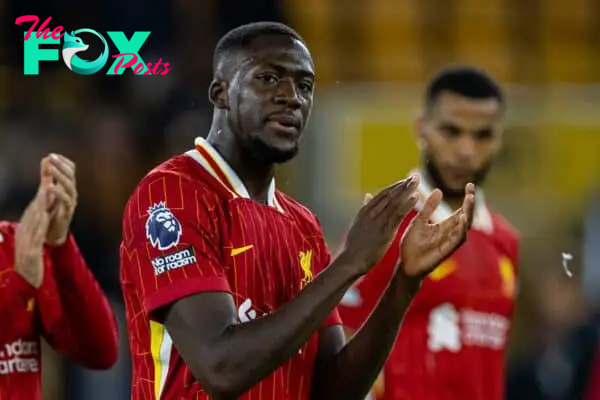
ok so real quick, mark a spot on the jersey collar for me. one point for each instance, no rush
(209, 158)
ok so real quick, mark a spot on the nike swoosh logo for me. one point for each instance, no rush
(239, 250)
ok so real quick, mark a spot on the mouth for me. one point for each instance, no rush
(286, 123)
(461, 174)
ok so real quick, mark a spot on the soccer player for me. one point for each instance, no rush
(225, 279)
(453, 339)
(46, 289)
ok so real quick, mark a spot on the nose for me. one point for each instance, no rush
(287, 94)
(466, 150)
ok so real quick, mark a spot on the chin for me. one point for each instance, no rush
(270, 153)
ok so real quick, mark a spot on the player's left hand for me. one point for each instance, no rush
(425, 245)
(63, 195)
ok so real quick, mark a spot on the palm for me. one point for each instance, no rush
(426, 245)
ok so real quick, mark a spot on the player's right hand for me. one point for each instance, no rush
(377, 221)
(30, 236)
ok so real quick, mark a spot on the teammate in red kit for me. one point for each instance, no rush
(453, 339)
(47, 290)
(225, 279)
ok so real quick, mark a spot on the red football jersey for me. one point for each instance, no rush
(69, 310)
(190, 227)
(453, 338)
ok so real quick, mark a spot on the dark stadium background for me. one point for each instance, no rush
(116, 127)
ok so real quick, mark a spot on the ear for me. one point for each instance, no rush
(499, 141)
(217, 94)
(418, 127)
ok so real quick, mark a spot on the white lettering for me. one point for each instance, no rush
(173, 261)
(20, 357)
(450, 329)
(484, 329)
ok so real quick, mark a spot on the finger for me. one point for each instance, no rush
(381, 200)
(45, 181)
(45, 167)
(64, 181)
(468, 209)
(64, 165)
(468, 206)
(62, 196)
(400, 211)
(402, 199)
(430, 204)
(401, 193)
(453, 230)
(65, 160)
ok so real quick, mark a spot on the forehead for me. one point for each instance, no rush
(453, 107)
(279, 50)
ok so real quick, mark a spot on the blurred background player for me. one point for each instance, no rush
(453, 339)
(230, 288)
(49, 292)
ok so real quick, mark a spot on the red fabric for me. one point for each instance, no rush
(69, 310)
(212, 223)
(452, 342)
(593, 391)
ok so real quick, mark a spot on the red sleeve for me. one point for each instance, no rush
(171, 243)
(76, 316)
(361, 299)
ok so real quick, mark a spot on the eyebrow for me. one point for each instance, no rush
(300, 71)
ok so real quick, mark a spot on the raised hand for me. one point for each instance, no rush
(60, 171)
(30, 236)
(376, 223)
(425, 245)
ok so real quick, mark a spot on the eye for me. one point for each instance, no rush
(269, 79)
(306, 86)
(450, 131)
(484, 134)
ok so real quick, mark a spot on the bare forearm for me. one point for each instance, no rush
(351, 373)
(251, 351)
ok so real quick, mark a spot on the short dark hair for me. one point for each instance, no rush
(244, 35)
(470, 82)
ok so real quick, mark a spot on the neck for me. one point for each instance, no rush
(255, 176)
(454, 202)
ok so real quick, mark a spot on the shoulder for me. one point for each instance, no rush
(503, 228)
(177, 190)
(300, 213)
(506, 237)
(174, 182)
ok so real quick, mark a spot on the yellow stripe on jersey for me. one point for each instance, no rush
(507, 272)
(157, 335)
(442, 271)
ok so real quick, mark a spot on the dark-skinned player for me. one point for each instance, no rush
(229, 286)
